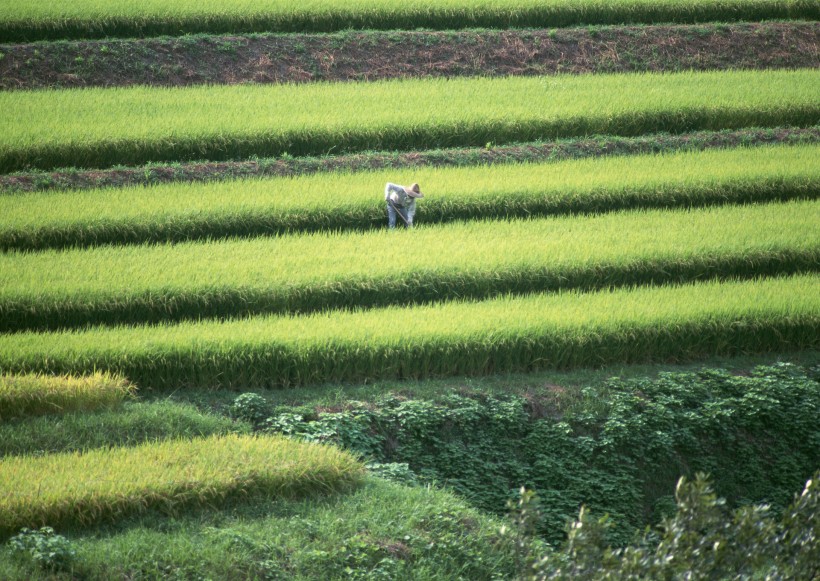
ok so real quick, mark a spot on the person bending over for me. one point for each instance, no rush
(401, 202)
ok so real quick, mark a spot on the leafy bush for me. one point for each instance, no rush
(47, 549)
(250, 407)
(702, 541)
(620, 450)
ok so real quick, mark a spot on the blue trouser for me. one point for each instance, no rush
(405, 213)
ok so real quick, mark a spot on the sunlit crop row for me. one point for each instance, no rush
(133, 284)
(102, 127)
(334, 201)
(35, 395)
(560, 330)
(83, 488)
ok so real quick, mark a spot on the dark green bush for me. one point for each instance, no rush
(620, 450)
(703, 540)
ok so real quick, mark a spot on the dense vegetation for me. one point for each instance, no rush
(53, 290)
(46, 129)
(178, 212)
(619, 449)
(95, 18)
(104, 484)
(567, 329)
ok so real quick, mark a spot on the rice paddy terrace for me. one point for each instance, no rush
(191, 199)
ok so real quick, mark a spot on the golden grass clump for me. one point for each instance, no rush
(34, 394)
(103, 484)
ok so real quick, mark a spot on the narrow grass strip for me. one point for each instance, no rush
(71, 489)
(35, 395)
(563, 330)
(306, 273)
(131, 424)
(354, 201)
(103, 127)
(27, 21)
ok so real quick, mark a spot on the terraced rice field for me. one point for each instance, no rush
(295, 281)
(99, 485)
(46, 129)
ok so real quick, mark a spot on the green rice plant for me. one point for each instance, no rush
(347, 201)
(131, 424)
(79, 489)
(35, 394)
(101, 127)
(310, 272)
(560, 330)
(95, 18)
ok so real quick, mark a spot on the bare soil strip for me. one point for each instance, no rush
(371, 55)
(291, 166)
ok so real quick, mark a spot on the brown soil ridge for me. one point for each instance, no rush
(372, 55)
(529, 152)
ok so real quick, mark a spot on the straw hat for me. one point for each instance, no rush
(413, 191)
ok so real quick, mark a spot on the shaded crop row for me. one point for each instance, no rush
(94, 18)
(111, 285)
(345, 201)
(101, 485)
(563, 330)
(46, 129)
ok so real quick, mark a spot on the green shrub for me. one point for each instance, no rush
(45, 548)
(701, 541)
(619, 450)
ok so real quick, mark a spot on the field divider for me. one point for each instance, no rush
(507, 334)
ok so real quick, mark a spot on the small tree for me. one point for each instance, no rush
(702, 541)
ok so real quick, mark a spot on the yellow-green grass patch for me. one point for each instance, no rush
(101, 485)
(478, 259)
(560, 330)
(36, 394)
(101, 127)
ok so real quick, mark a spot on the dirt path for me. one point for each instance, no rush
(554, 150)
(269, 58)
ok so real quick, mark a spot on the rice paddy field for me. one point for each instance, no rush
(145, 330)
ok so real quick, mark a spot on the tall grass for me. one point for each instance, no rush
(99, 127)
(563, 330)
(35, 395)
(101, 485)
(345, 201)
(131, 424)
(303, 273)
(94, 18)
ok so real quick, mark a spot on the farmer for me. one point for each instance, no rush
(401, 201)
